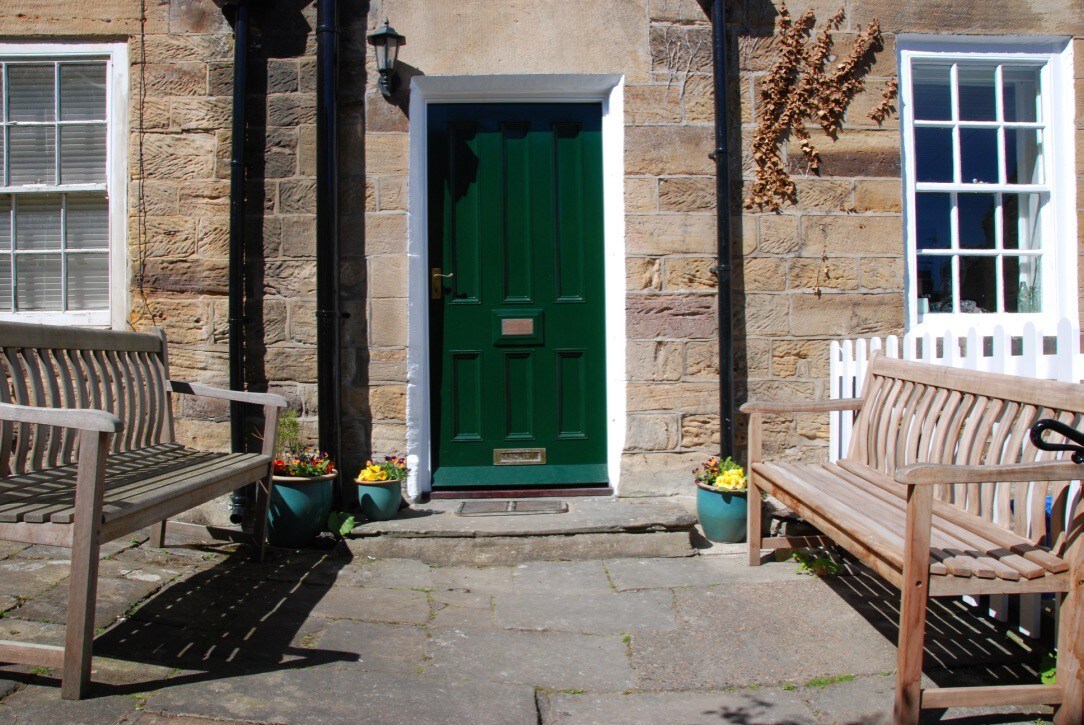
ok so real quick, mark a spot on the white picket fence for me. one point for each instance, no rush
(1051, 354)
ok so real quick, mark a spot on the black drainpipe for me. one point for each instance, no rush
(327, 226)
(722, 205)
(239, 499)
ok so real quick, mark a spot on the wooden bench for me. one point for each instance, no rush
(943, 493)
(88, 455)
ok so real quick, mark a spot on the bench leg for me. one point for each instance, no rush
(1070, 671)
(83, 582)
(914, 591)
(259, 525)
(754, 532)
(159, 534)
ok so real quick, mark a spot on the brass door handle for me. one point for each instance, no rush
(436, 285)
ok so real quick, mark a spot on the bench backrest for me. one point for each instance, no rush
(67, 367)
(920, 413)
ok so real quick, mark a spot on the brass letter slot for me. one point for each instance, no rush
(519, 457)
(517, 326)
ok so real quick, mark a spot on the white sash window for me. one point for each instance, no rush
(62, 183)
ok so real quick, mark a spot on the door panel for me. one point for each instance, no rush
(517, 356)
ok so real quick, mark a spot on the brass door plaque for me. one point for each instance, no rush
(517, 326)
(519, 457)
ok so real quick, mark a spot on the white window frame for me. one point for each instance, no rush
(1059, 233)
(116, 159)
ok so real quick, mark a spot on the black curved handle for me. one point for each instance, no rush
(1057, 426)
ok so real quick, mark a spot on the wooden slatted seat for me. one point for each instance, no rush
(88, 455)
(943, 493)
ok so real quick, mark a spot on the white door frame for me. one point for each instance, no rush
(424, 90)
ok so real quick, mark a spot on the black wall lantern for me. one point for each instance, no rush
(386, 42)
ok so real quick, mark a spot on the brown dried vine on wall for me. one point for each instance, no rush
(802, 89)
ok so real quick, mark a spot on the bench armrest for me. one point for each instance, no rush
(240, 396)
(802, 406)
(80, 418)
(939, 473)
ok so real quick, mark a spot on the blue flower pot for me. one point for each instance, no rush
(722, 514)
(299, 509)
(380, 501)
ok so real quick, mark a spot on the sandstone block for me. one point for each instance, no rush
(871, 97)
(297, 196)
(299, 235)
(689, 274)
(186, 321)
(220, 78)
(766, 314)
(687, 193)
(387, 402)
(685, 397)
(201, 114)
(846, 314)
(840, 235)
(757, 53)
(176, 79)
(203, 434)
(778, 234)
(702, 360)
(814, 426)
(166, 236)
(173, 48)
(765, 274)
(662, 150)
(213, 236)
(282, 75)
(192, 275)
(306, 150)
(670, 316)
(155, 115)
(392, 193)
(856, 152)
(272, 317)
(670, 233)
(196, 16)
(177, 156)
(388, 275)
(878, 196)
(157, 197)
(641, 194)
(649, 360)
(811, 274)
(386, 366)
(821, 195)
(680, 49)
(657, 474)
(291, 363)
(699, 431)
(386, 153)
(682, 11)
(652, 104)
(279, 164)
(205, 198)
(302, 321)
(387, 323)
(291, 109)
(882, 273)
(385, 233)
(800, 358)
(756, 357)
(651, 433)
(389, 438)
(643, 274)
(290, 278)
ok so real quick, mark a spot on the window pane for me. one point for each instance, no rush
(976, 217)
(87, 217)
(932, 98)
(37, 222)
(978, 284)
(977, 97)
(1023, 156)
(5, 223)
(933, 154)
(88, 281)
(33, 154)
(82, 154)
(82, 92)
(37, 281)
(978, 155)
(31, 92)
(1023, 291)
(1022, 221)
(5, 283)
(935, 282)
(932, 221)
(1020, 93)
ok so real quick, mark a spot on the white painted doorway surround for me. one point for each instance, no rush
(424, 90)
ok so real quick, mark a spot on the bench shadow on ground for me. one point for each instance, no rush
(237, 617)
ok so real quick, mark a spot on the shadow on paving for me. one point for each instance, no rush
(238, 617)
(964, 647)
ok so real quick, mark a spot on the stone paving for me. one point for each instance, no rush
(198, 633)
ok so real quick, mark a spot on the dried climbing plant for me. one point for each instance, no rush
(802, 89)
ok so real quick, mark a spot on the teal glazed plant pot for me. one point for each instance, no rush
(299, 509)
(722, 514)
(380, 501)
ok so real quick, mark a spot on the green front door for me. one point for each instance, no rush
(516, 316)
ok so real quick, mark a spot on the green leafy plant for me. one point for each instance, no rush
(341, 522)
(814, 562)
(1048, 669)
(826, 681)
(295, 459)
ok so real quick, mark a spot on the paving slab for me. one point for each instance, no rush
(453, 608)
(629, 574)
(605, 613)
(764, 706)
(396, 606)
(342, 693)
(393, 648)
(586, 515)
(42, 704)
(385, 573)
(561, 577)
(490, 579)
(25, 578)
(554, 660)
(764, 634)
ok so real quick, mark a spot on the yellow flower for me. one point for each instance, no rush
(372, 473)
(732, 480)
